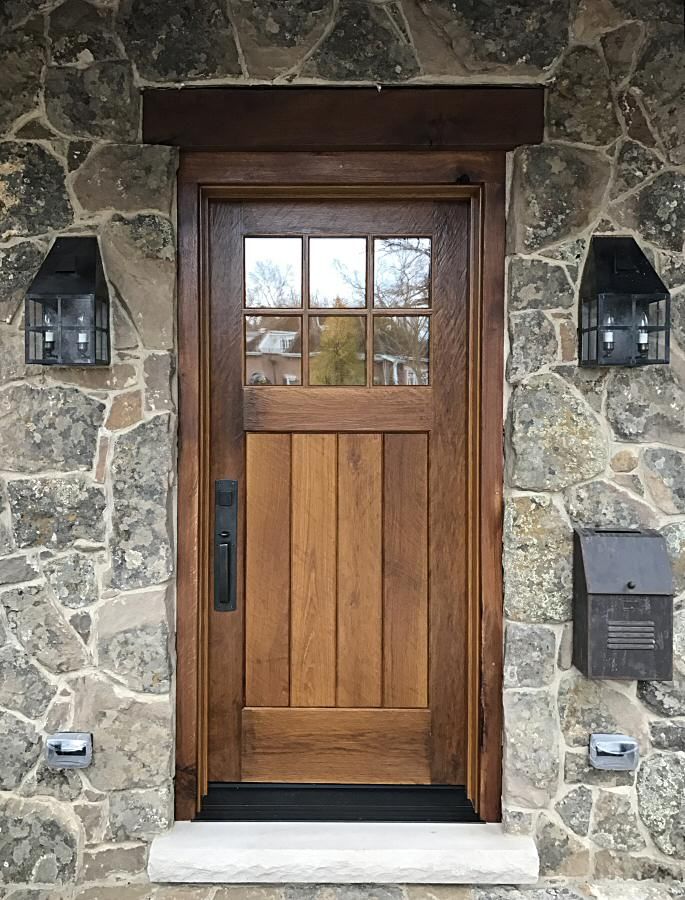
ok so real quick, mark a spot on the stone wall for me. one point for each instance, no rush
(87, 457)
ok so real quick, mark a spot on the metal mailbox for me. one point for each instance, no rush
(623, 604)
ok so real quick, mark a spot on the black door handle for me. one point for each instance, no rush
(225, 544)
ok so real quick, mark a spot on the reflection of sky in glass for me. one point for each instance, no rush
(273, 271)
(337, 271)
(402, 272)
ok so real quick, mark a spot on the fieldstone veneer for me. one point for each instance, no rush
(87, 458)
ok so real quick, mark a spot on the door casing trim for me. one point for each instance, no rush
(478, 177)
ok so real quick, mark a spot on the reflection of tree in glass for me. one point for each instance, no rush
(403, 339)
(269, 284)
(402, 272)
(339, 358)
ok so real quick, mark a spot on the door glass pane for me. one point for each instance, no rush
(337, 350)
(273, 350)
(401, 349)
(273, 272)
(337, 272)
(402, 271)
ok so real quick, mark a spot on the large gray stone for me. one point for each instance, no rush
(37, 840)
(33, 197)
(62, 784)
(634, 117)
(668, 735)
(619, 48)
(133, 640)
(529, 655)
(363, 46)
(614, 824)
(588, 382)
(100, 101)
(158, 372)
(664, 472)
(660, 79)
(520, 37)
(141, 471)
(139, 814)
(14, 569)
(577, 770)
(23, 687)
(634, 163)
(667, 698)
(533, 344)
(55, 512)
(101, 863)
(16, 12)
(560, 852)
(23, 57)
(661, 800)
(81, 34)
(674, 535)
(579, 103)
(600, 503)
(140, 257)
(657, 211)
(648, 404)
(127, 177)
(575, 808)
(72, 579)
(619, 866)
(595, 706)
(48, 428)
(556, 439)
(21, 747)
(176, 40)
(7, 542)
(18, 265)
(557, 191)
(42, 629)
(531, 749)
(537, 284)
(276, 34)
(538, 560)
(134, 737)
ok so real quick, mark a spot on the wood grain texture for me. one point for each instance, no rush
(448, 505)
(267, 570)
(360, 554)
(190, 647)
(227, 441)
(405, 570)
(335, 118)
(313, 570)
(355, 746)
(337, 409)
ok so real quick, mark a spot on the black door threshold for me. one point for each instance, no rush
(235, 802)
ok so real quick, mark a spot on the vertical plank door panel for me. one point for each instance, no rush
(267, 572)
(405, 573)
(359, 570)
(313, 572)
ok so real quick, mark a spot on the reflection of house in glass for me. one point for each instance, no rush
(273, 350)
(400, 350)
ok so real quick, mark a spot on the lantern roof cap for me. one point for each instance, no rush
(617, 266)
(73, 267)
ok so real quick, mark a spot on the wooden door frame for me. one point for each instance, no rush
(476, 176)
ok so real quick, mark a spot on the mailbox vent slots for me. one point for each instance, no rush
(631, 635)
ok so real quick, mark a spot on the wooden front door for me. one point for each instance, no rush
(339, 403)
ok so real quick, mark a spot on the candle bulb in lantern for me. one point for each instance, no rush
(643, 335)
(608, 334)
(82, 336)
(49, 335)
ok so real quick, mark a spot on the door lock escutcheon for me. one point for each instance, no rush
(225, 544)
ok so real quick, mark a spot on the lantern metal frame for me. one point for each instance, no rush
(71, 286)
(624, 307)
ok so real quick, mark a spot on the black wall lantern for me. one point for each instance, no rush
(66, 317)
(625, 309)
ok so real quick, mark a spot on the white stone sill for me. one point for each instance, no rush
(341, 853)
